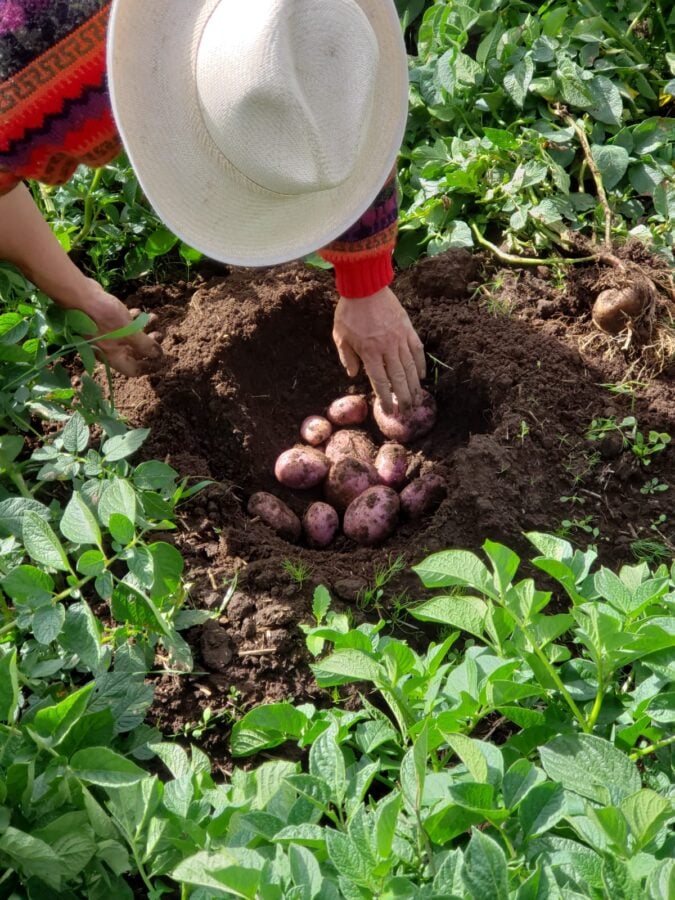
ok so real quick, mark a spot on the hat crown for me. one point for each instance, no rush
(285, 87)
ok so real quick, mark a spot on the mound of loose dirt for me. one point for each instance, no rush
(250, 357)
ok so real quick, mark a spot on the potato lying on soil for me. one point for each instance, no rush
(321, 523)
(350, 443)
(274, 512)
(315, 430)
(347, 479)
(406, 427)
(614, 309)
(391, 463)
(422, 496)
(301, 468)
(372, 517)
(349, 410)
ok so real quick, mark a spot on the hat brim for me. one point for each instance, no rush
(201, 197)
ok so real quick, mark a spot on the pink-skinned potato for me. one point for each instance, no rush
(391, 463)
(372, 517)
(407, 427)
(422, 496)
(301, 468)
(274, 513)
(349, 410)
(350, 442)
(320, 523)
(315, 430)
(347, 479)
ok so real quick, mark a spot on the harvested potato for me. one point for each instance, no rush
(350, 442)
(371, 518)
(349, 410)
(274, 512)
(407, 427)
(316, 430)
(422, 496)
(321, 523)
(391, 463)
(614, 309)
(347, 479)
(301, 468)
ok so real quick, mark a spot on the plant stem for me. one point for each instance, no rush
(597, 705)
(88, 220)
(595, 172)
(666, 30)
(7, 628)
(512, 260)
(19, 483)
(613, 32)
(651, 748)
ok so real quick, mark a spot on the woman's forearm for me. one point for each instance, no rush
(28, 243)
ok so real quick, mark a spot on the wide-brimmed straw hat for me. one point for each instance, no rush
(260, 130)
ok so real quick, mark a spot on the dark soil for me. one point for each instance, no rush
(250, 357)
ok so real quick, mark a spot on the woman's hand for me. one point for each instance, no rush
(134, 355)
(377, 332)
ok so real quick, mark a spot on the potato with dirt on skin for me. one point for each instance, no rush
(320, 523)
(422, 496)
(315, 430)
(347, 479)
(274, 513)
(301, 468)
(614, 309)
(350, 442)
(349, 410)
(372, 517)
(407, 427)
(391, 463)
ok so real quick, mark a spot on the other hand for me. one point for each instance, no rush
(137, 354)
(377, 332)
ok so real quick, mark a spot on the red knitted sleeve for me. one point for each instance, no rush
(362, 255)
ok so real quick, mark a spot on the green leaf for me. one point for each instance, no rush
(117, 497)
(48, 622)
(320, 603)
(154, 476)
(612, 162)
(105, 768)
(160, 242)
(28, 584)
(327, 762)
(455, 567)
(469, 752)
(81, 635)
(484, 871)
(265, 727)
(233, 871)
(91, 562)
(386, 818)
(305, 871)
(606, 105)
(53, 723)
(75, 434)
(345, 856)
(121, 529)
(123, 445)
(31, 856)
(11, 446)
(344, 666)
(520, 778)
(646, 813)
(9, 687)
(517, 81)
(42, 544)
(590, 766)
(618, 881)
(467, 613)
(78, 523)
(542, 808)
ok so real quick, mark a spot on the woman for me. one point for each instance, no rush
(259, 131)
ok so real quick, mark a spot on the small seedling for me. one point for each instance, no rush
(372, 595)
(643, 447)
(653, 486)
(298, 571)
(652, 552)
(567, 526)
(524, 431)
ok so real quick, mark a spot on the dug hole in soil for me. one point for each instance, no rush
(250, 356)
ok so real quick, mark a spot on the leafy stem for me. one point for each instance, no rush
(512, 260)
(651, 748)
(88, 219)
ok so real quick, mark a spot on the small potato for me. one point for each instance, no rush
(321, 523)
(347, 479)
(372, 517)
(349, 410)
(391, 463)
(274, 512)
(407, 427)
(350, 442)
(422, 496)
(315, 430)
(301, 468)
(614, 309)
